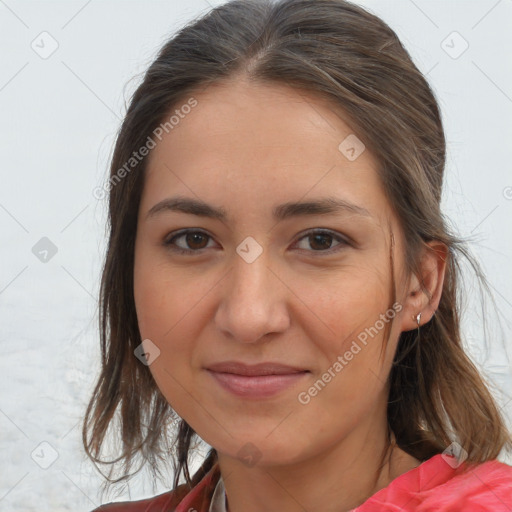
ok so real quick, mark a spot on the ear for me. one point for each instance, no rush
(432, 272)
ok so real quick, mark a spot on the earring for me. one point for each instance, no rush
(418, 319)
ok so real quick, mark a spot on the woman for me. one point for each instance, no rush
(280, 278)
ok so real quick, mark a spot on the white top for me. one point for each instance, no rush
(218, 503)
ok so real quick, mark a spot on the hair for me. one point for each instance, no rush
(343, 53)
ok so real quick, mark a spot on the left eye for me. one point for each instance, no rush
(320, 238)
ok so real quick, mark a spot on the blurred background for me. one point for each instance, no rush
(68, 69)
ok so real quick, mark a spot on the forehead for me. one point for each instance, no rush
(251, 144)
(247, 115)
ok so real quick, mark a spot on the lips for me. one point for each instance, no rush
(255, 369)
(255, 381)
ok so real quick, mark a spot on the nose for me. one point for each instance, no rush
(253, 302)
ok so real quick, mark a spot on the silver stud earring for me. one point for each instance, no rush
(418, 319)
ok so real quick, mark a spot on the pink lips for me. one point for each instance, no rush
(255, 381)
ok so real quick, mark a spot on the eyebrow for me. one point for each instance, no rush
(323, 206)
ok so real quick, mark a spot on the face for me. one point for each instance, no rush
(304, 289)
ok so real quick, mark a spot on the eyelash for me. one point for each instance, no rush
(173, 247)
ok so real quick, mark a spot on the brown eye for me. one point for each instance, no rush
(317, 241)
(321, 241)
(194, 241)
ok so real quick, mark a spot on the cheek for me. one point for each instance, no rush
(352, 379)
(165, 297)
(162, 318)
(170, 308)
(342, 303)
(345, 324)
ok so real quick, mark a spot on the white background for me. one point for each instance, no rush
(58, 119)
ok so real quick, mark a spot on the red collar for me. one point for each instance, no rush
(433, 484)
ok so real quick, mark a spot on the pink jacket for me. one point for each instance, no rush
(433, 486)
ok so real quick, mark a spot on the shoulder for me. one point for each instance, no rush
(180, 499)
(440, 484)
(163, 502)
(485, 487)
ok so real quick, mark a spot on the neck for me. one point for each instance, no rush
(338, 479)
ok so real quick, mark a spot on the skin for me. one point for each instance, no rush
(247, 147)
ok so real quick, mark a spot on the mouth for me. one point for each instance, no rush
(255, 381)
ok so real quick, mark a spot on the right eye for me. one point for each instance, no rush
(190, 237)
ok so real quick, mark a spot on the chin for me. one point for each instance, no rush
(264, 450)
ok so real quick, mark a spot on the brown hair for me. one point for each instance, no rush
(343, 53)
